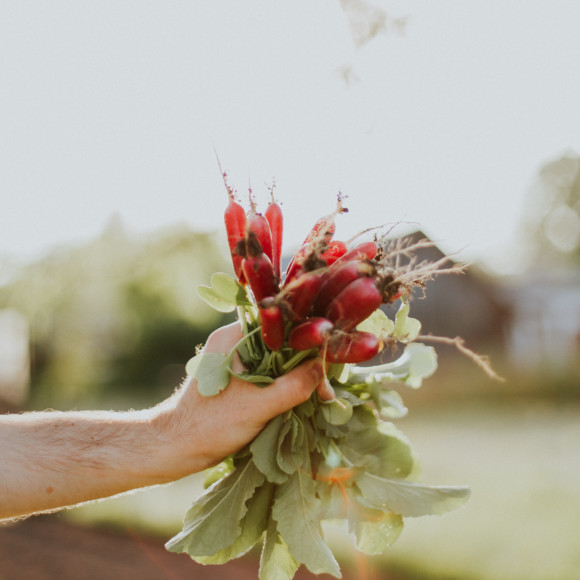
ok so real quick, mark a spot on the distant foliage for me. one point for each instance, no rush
(119, 313)
(551, 222)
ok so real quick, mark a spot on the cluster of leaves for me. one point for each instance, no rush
(338, 460)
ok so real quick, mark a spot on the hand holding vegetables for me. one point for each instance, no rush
(323, 459)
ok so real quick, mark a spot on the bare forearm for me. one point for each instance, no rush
(49, 460)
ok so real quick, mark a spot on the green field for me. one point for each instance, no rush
(522, 462)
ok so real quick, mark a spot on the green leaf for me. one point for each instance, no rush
(218, 472)
(260, 380)
(374, 530)
(253, 526)
(390, 404)
(408, 498)
(224, 294)
(297, 510)
(212, 524)
(211, 371)
(264, 449)
(406, 329)
(338, 371)
(276, 562)
(417, 362)
(379, 324)
(292, 448)
(336, 412)
(379, 448)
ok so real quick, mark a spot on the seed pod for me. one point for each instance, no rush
(272, 326)
(310, 333)
(274, 216)
(354, 304)
(235, 221)
(351, 347)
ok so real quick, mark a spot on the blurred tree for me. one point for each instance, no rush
(551, 220)
(115, 312)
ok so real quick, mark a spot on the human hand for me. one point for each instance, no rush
(201, 431)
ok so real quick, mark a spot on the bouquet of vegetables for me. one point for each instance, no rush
(324, 460)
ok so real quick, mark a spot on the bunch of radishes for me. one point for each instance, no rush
(327, 290)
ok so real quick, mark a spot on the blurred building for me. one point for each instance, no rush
(545, 329)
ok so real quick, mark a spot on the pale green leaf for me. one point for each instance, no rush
(406, 329)
(379, 324)
(212, 524)
(218, 472)
(264, 449)
(336, 412)
(338, 371)
(253, 526)
(260, 380)
(390, 404)
(211, 371)
(378, 447)
(276, 562)
(417, 362)
(297, 510)
(224, 294)
(409, 498)
(292, 448)
(374, 530)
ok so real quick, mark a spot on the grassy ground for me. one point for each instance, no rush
(522, 463)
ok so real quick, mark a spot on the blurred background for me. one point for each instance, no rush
(456, 121)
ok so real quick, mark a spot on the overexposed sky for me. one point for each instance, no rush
(116, 107)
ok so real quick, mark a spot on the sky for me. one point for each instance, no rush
(119, 108)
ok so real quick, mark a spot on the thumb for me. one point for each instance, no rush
(292, 388)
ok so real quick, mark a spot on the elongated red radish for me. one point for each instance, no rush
(273, 214)
(301, 294)
(364, 250)
(354, 304)
(258, 269)
(323, 228)
(351, 347)
(310, 333)
(272, 326)
(335, 250)
(259, 225)
(235, 221)
(295, 265)
(337, 278)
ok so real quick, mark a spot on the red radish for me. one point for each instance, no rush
(309, 334)
(334, 251)
(301, 294)
(354, 304)
(351, 347)
(274, 216)
(258, 269)
(235, 221)
(338, 277)
(364, 250)
(259, 225)
(295, 265)
(272, 323)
